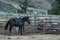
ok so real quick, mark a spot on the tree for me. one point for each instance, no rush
(24, 5)
(55, 8)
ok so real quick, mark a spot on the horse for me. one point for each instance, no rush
(12, 22)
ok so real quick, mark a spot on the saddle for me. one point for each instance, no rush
(19, 20)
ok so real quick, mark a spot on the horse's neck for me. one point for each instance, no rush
(23, 20)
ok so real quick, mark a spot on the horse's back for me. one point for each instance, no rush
(19, 20)
(12, 20)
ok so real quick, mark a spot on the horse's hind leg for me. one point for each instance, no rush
(10, 29)
(6, 25)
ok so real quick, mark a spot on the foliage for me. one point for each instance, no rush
(55, 8)
(24, 4)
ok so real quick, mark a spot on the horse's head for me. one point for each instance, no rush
(26, 19)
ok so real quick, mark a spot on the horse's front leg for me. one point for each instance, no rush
(20, 30)
(23, 28)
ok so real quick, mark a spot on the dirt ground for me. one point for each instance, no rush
(27, 35)
(31, 37)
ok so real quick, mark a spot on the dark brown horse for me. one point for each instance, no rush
(12, 22)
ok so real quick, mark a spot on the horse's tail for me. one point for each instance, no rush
(7, 25)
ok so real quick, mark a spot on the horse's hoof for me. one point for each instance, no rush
(21, 34)
(5, 28)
